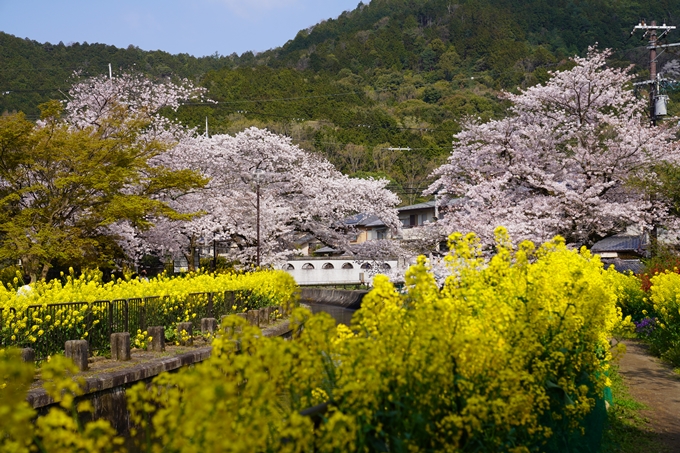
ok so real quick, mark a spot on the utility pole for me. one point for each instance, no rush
(257, 180)
(654, 88)
(214, 260)
(258, 223)
(657, 101)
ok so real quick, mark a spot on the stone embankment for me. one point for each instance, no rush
(105, 380)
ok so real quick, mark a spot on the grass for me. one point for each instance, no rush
(627, 431)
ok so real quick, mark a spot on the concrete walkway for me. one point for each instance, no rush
(654, 384)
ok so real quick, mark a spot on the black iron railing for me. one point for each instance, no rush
(46, 328)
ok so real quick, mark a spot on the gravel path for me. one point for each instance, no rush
(654, 384)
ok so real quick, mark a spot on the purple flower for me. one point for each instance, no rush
(645, 327)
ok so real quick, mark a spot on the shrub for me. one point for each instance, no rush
(665, 295)
(631, 297)
(60, 429)
(511, 355)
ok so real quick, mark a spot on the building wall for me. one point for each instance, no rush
(322, 274)
(362, 236)
(421, 216)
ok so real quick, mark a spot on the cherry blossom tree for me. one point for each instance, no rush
(89, 172)
(130, 99)
(560, 162)
(299, 192)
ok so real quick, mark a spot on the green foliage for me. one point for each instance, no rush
(631, 296)
(352, 80)
(63, 185)
(665, 296)
(8, 274)
(60, 429)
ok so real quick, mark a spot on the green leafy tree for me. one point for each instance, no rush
(60, 188)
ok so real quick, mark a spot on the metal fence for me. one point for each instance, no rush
(46, 328)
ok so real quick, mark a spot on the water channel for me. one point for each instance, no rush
(341, 315)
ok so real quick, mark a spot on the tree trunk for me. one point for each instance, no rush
(43, 274)
(191, 256)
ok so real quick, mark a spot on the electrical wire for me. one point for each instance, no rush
(367, 126)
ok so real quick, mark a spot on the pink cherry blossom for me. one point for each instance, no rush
(560, 162)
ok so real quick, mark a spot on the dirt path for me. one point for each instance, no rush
(654, 384)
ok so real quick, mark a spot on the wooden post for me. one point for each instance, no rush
(264, 319)
(157, 334)
(208, 325)
(78, 351)
(28, 355)
(120, 346)
(210, 305)
(253, 317)
(189, 329)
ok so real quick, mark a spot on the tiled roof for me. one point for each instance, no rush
(368, 220)
(620, 243)
(635, 266)
(326, 249)
(414, 207)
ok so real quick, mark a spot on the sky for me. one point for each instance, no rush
(196, 27)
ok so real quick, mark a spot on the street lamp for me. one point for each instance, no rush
(258, 172)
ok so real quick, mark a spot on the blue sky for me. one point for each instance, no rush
(198, 27)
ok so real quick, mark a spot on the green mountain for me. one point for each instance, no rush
(379, 90)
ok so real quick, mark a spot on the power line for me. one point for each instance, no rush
(296, 98)
(49, 90)
(367, 126)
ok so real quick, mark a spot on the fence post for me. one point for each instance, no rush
(110, 317)
(88, 325)
(208, 325)
(126, 310)
(142, 314)
(210, 305)
(28, 355)
(229, 301)
(253, 317)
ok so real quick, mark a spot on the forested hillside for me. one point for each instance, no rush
(379, 90)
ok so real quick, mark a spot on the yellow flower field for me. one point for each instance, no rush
(511, 355)
(46, 316)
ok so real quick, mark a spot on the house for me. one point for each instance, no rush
(419, 214)
(368, 227)
(623, 251)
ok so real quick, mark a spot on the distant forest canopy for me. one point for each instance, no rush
(380, 90)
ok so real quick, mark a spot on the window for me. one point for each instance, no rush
(308, 266)
(328, 266)
(366, 266)
(288, 267)
(381, 234)
(385, 267)
(347, 266)
(413, 220)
